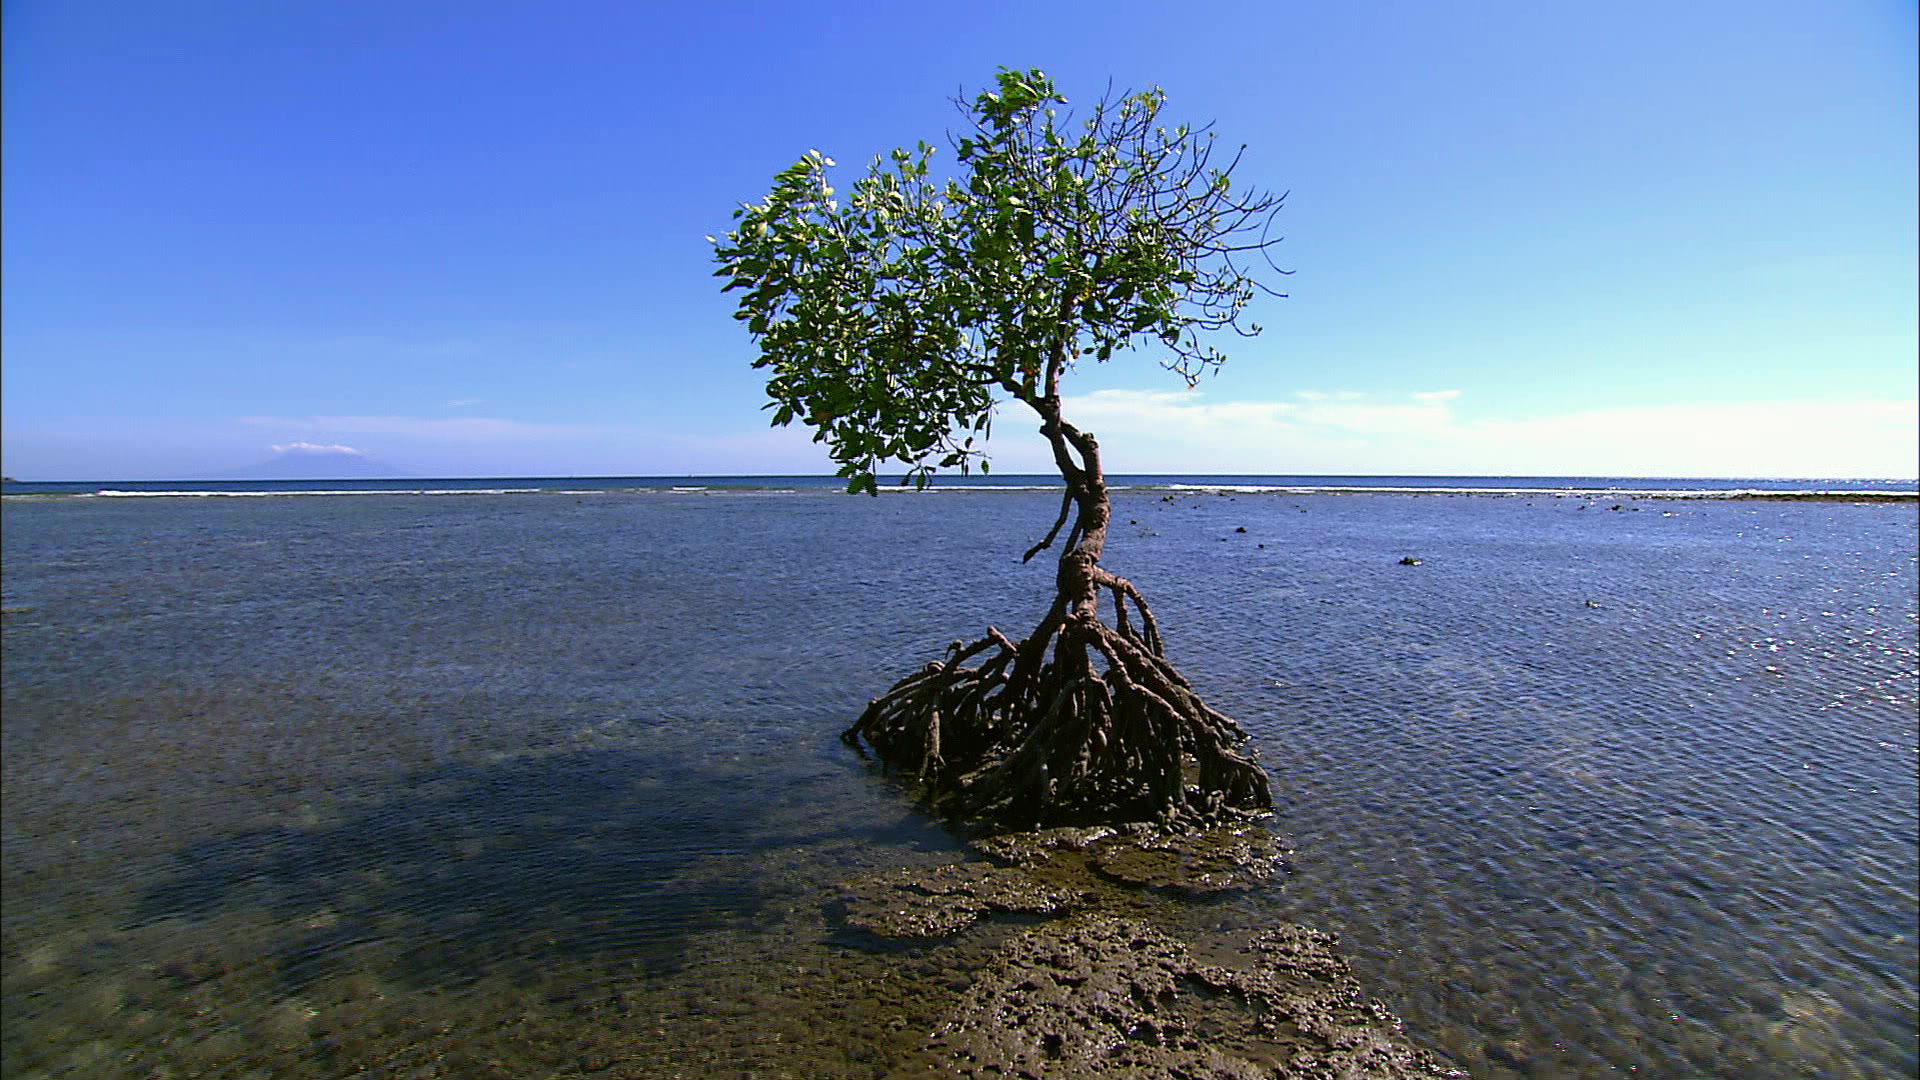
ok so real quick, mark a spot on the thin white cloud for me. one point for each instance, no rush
(1172, 431)
(1426, 432)
(1189, 411)
(1187, 408)
(1788, 439)
(1384, 418)
(463, 403)
(315, 448)
(457, 429)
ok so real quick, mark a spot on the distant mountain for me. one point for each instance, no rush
(308, 461)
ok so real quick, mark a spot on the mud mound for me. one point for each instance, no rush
(1098, 995)
(1219, 859)
(913, 902)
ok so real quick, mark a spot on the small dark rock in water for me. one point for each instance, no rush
(1409, 561)
(1242, 528)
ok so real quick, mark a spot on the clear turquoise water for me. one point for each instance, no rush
(489, 785)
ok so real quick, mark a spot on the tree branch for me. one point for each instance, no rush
(1066, 504)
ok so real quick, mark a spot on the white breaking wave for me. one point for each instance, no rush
(1509, 492)
(109, 493)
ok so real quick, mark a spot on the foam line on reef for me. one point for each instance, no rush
(110, 493)
(1556, 492)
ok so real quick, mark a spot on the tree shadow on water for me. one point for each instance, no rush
(510, 867)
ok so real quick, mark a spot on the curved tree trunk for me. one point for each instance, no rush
(1033, 736)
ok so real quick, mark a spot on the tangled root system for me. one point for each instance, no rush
(1081, 723)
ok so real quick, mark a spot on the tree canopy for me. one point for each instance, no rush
(893, 320)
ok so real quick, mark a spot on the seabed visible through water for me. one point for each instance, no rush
(550, 785)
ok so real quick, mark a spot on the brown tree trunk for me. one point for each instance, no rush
(1030, 738)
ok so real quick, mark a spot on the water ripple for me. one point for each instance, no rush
(418, 785)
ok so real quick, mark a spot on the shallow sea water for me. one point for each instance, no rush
(550, 785)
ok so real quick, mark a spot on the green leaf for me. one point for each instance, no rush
(890, 324)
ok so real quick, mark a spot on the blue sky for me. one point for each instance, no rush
(466, 239)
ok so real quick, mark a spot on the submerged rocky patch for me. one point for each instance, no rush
(916, 903)
(1099, 995)
(1098, 990)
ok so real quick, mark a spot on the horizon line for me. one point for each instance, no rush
(946, 476)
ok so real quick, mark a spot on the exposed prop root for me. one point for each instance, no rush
(1027, 736)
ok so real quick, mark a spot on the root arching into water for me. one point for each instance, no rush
(1079, 723)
